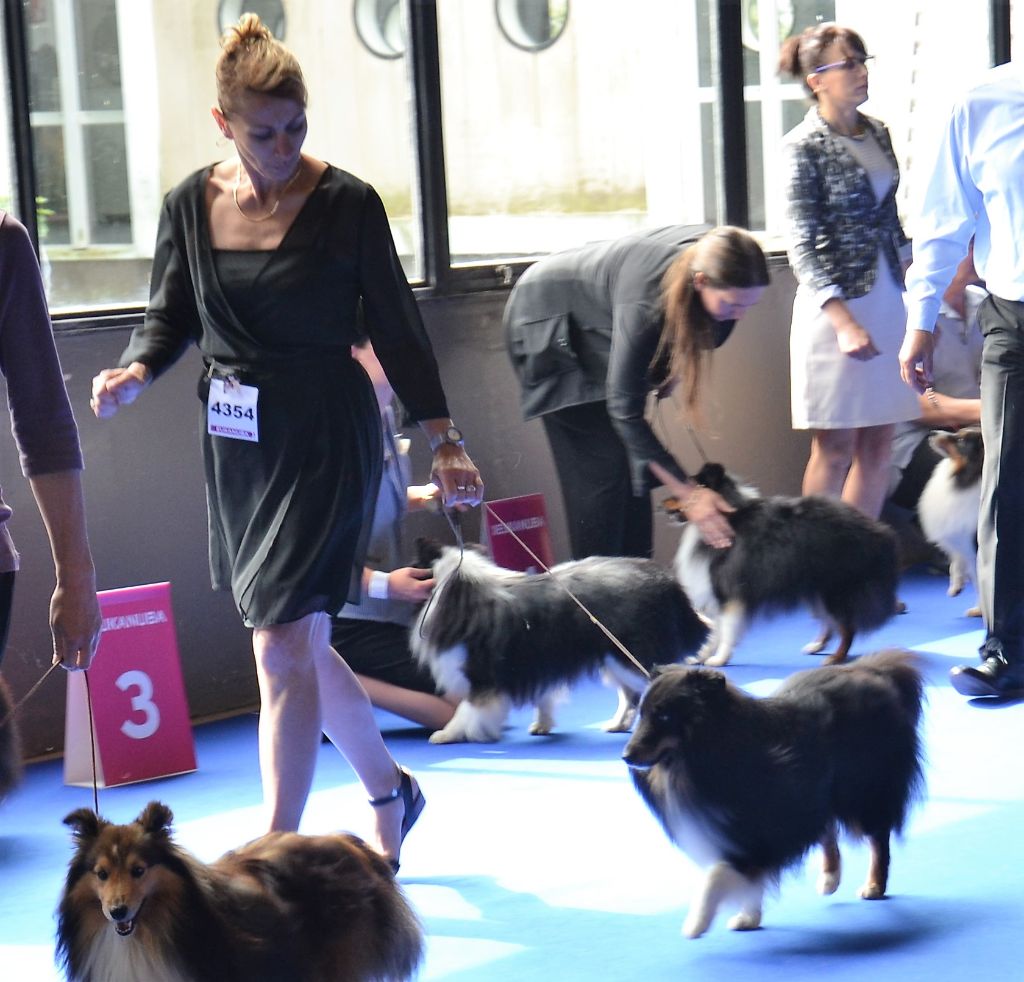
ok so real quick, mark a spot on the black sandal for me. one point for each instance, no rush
(413, 805)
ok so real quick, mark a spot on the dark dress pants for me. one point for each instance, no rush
(605, 518)
(1001, 520)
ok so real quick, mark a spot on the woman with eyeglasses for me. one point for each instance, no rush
(847, 250)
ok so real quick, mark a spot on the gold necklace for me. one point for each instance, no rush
(273, 210)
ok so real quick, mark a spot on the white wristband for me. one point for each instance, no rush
(378, 585)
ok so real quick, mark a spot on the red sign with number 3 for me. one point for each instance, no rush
(140, 714)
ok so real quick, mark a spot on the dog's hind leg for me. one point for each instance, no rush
(843, 649)
(722, 882)
(474, 722)
(818, 645)
(878, 871)
(831, 864)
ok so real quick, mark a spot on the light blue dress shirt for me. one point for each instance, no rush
(976, 188)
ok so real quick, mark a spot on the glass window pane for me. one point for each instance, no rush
(110, 220)
(99, 64)
(51, 187)
(117, 125)
(594, 135)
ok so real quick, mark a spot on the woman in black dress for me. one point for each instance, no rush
(263, 261)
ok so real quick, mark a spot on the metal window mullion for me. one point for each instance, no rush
(425, 78)
(72, 127)
(729, 43)
(24, 189)
(771, 94)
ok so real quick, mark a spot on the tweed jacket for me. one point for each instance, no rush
(836, 227)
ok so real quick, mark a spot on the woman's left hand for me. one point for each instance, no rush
(457, 477)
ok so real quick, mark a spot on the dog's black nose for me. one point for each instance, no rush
(119, 913)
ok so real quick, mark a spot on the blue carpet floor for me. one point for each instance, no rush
(535, 859)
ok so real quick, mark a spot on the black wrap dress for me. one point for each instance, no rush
(289, 515)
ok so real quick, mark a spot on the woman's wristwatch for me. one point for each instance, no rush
(451, 435)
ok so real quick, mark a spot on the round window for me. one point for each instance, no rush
(532, 24)
(380, 27)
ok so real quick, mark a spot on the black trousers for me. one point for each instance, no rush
(1001, 520)
(605, 517)
(6, 600)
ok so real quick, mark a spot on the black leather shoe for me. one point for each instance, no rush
(995, 676)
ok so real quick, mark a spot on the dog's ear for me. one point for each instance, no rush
(156, 819)
(709, 680)
(85, 824)
(428, 552)
(711, 475)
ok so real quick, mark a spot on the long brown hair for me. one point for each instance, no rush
(801, 54)
(253, 60)
(730, 258)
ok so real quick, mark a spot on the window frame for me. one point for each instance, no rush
(440, 277)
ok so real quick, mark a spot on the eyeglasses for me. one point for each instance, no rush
(847, 64)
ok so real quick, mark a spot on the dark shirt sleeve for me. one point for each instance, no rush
(635, 331)
(41, 418)
(393, 319)
(172, 318)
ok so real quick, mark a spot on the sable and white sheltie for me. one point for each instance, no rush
(788, 552)
(949, 504)
(10, 745)
(496, 638)
(746, 786)
(138, 908)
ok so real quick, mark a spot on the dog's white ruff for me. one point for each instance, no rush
(116, 959)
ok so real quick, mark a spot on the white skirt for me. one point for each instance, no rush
(832, 391)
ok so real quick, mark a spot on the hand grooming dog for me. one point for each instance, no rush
(10, 745)
(497, 638)
(949, 504)
(788, 552)
(746, 787)
(138, 908)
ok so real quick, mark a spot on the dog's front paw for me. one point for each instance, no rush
(955, 589)
(718, 659)
(745, 920)
(828, 883)
(695, 924)
(871, 891)
(444, 736)
(537, 728)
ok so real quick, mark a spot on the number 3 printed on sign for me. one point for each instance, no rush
(141, 703)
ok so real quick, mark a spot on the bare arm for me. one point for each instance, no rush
(74, 609)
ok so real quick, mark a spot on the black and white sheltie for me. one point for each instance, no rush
(10, 745)
(495, 638)
(788, 552)
(949, 504)
(138, 908)
(746, 787)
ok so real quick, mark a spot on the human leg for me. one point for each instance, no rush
(347, 718)
(603, 515)
(868, 479)
(1001, 518)
(829, 462)
(289, 725)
